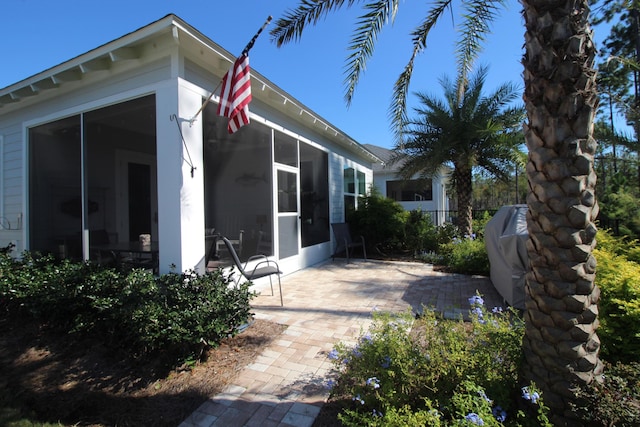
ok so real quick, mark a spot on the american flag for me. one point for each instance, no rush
(235, 94)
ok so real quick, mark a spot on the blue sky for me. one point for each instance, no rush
(39, 34)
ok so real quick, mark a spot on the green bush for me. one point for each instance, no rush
(446, 233)
(480, 223)
(615, 401)
(619, 281)
(466, 256)
(176, 315)
(380, 220)
(421, 234)
(429, 371)
(618, 245)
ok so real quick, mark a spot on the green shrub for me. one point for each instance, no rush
(177, 315)
(421, 234)
(446, 233)
(615, 401)
(466, 256)
(380, 220)
(407, 372)
(623, 246)
(480, 223)
(619, 283)
(189, 312)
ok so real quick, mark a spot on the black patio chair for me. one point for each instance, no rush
(264, 268)
(344, 242)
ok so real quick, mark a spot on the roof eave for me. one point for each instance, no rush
(125, 49)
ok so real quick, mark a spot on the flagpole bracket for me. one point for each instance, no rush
(174, 117)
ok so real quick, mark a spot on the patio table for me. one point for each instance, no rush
(133, 253)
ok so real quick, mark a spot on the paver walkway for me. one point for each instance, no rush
(324, 305)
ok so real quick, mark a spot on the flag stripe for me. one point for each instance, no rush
(235, 94)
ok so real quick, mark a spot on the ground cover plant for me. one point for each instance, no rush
(430, 371)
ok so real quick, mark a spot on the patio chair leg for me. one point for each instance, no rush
(271, 283)
(280, 288)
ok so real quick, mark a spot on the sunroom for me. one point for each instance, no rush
(106, 154)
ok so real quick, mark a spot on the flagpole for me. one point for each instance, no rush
(245, 51)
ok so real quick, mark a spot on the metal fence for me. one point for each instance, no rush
(440, 217)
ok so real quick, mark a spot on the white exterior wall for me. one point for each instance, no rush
(180, 195)
(11, 188)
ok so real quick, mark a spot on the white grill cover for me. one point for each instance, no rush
(505, 238)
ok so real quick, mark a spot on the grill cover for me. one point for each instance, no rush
(505, 238)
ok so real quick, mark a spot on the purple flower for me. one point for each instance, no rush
(333, 354)
(377, 414)
(499, 414)
(386, 362)
(484, 396)
(474, 418)
(374, 382)
(477, 311)
(476, 299)
(497, 310)
(527, 395)
(358, 399)
(356, 352)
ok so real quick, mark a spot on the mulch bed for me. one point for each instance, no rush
(50, 377)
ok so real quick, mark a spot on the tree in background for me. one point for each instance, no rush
(619, 85)
(561, 346)
(619, 80)
(466, 130)
(618, 182)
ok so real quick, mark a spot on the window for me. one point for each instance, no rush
(410, 191)
(285, 149)
(355, 186)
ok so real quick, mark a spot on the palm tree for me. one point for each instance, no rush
(561, 346)
(466, 130)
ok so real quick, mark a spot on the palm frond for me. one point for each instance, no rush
(291, 25)
(398, 108)
(479, 14)
(362, 45)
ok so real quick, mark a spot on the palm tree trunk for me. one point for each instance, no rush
(464, 188)
(561, 345)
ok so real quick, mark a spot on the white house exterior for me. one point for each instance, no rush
(104, 144)
(413, 194)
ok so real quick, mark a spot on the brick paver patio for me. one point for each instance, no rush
(324, 305)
